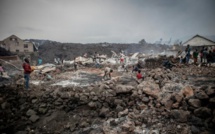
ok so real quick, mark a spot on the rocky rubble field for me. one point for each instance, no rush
(166, 102)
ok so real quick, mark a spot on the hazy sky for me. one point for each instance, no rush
(120, 21)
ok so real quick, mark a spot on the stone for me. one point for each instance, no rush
(187, 91)
(196, 121)
(201, 95)
(64, 95)
(150, 88)
(34, 101)
(103, 112)
(123, 113)
(43, 105)
(210, 91)
(213, 120)
(145, 99)
(1, 100)
(168, 104)
(124, 89)
(57, 103)
(5, 105)
(119, 108)
(194, 102)
(175, 105)
(203, 112)
(177, 97)
(95, 98)
(118, 101)
(34, 118)
(180, 115)
(43, 110)
(142, 106)
(84, 98)
(212, 102)
(30, 112)
(128, 126)
(84, 124)
(92, 104)
(194, 130)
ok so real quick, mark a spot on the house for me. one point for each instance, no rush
(16, 45)
(198, 41)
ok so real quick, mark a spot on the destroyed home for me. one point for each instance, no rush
(16, 45)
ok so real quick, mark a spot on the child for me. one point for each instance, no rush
(139, 75)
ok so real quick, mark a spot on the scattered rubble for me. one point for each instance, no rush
(164, 102)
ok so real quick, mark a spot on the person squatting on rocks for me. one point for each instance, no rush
(187, 50)
(195, 56)
(136, 67)
(27, 70)
(139, 75)
(107, 72)
(168, 64)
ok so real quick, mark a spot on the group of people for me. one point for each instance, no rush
(206, 55)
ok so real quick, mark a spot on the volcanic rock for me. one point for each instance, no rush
(34, 118)
(150, 88)
(201, 95)
(123, 89)
(203, 112)
(194, 102)
(30, 112)
(180, 115)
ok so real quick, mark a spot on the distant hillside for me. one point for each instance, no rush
(39, 42)
(68, 51)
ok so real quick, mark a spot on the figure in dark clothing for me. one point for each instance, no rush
(201, 54)
(167, 64)
(195, 56)
(209, 58)
(135, 69)
(187, 50)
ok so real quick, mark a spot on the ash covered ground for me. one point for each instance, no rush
(167, 101)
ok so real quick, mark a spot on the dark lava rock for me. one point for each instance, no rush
(203, 112)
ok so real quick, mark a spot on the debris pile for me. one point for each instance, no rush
(164, 102)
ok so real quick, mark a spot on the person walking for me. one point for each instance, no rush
(27, 71)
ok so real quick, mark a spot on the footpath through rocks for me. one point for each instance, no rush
(177, 101)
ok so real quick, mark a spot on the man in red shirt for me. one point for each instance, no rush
(27, 70)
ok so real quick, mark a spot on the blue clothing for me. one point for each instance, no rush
(40, 61)
(187, 58)
(27, 78)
